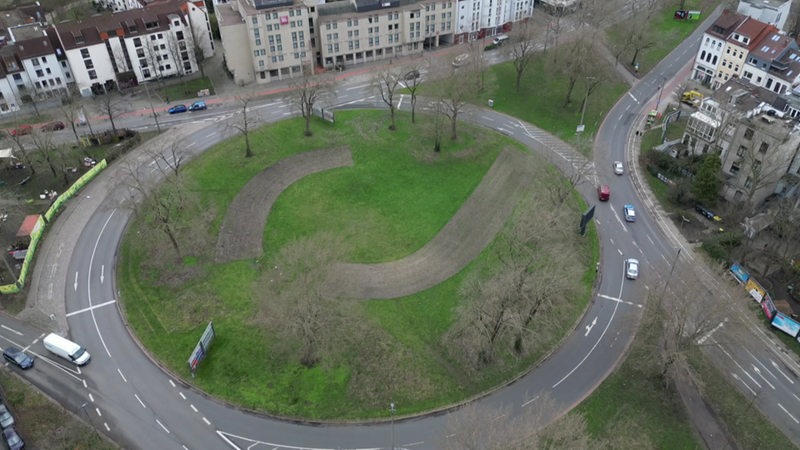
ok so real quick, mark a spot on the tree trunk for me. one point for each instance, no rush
(413, 107)
(568, 99)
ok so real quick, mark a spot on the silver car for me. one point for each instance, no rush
(631, 268)
(618, 169)
(6, 419)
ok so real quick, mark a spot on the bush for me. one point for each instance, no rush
(719, 247)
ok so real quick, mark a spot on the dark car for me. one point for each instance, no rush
(13, 441)
(707, 213)
(18, 357)
(177, 109)
(53, 126)
(411, 75)
(22, 130)
(199, 105)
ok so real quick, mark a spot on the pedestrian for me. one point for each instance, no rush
(167, 99)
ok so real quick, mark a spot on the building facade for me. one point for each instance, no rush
(478, 19)
(773, 12)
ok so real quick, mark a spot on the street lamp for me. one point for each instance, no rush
(660, 90)
(672, 269)
(585, 101)
(391, 409)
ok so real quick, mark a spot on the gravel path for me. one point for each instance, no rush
(242, 231)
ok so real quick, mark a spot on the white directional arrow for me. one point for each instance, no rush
(102, 273)
(75, 285)
(589, 327)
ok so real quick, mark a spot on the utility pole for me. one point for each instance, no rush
(152, 109)
(391, 409)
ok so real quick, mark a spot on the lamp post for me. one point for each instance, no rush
(660, 90)
(391, 409)
(672, 269)
(583, 109)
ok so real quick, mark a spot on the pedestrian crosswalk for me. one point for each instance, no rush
(583, 167)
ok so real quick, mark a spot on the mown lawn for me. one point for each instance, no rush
(395, 198)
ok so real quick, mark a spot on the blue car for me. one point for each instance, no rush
(199, 105)
(17, 357)
(629, 212)
(177, 109)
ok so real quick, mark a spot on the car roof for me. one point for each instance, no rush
(633, 261)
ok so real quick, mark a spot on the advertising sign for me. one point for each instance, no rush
(201, 349)
(755, 290)
(786, 324)
(739, 273)
(769, 308)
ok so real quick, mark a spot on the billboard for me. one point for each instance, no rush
(769, 308)
(201, 349)
(786, 324)
(739, 273)
(755, 290)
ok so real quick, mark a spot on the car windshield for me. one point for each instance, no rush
(78, 353)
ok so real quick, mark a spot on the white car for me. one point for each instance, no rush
(631, 268)
(629, 212)
(618, 169)
(460, 60)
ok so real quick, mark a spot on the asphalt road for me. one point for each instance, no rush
(126, 396)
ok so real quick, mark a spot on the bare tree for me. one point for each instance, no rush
(46, 149)
(244, 123)
(25, 154)
(453, 99)
(306, 91)
(71, 111)
(386, 82)
(478, 65)
(169, 160)
(522, 52)
(110, 104)
(581, 65)
(413, 81)
(293, 299)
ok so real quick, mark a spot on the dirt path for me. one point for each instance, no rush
(242, 231)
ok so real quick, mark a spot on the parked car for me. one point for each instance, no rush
(13, 441)
(629, 212)
(618, 169)
(411, 75)
(707, 213)
(17, 357)
(603, 193)
(177, 109)
(199, 105)
(52, 126)
(6, 419)
(631, 268)
(22, 130)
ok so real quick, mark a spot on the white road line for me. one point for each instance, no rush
(182, 396)
(619, 300)
(775, 365)
(85, 386)
(123, 376)
(105, 424)
(110, 302)
(206, 421)
(89, 285)
(11, 330)
(736, 377)
(789, 414)
(91, 397)
(162, 426)
(140, 400)
(193, 408)
(634, 98)
(358, 86)
(98, 412)
(530, 401)
(172, 383)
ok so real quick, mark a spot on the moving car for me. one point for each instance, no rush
(629, 212)
(13, 441)
(17, 357)
(499, 39)
(618, 169)
(199, 105)
(460, 60)
(177, 109)
(411, 75)
(66, 349)
(707, 213)
(603, 193)
(52, 126)
(631, 268)
(6, 419)
(22, 130)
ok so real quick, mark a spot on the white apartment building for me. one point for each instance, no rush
(711, 46)
(773, 12)
(286, 37)
(120, 5)
(478, 19)
(125, 48)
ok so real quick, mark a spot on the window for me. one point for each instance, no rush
(748, 133)
(764, 147)
(179, 35)
(35, 61)
(48, 71)
(92, 75)
(137, 42)
(88, 63)
(741, 151)
(39, 73)
(84, 53)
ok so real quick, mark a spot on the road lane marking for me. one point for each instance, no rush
(530, 401)
(123, 376)
(12, 330)
(98, 412)
(619, 300)
(736, 377)
(182, 396)
(172, 383)
(162, 426)
(105, 424)
(634, 98)
(91, 308)
(89, 285)
(75, 284)
(91, 397)
(206, 421)
(193, 408)
(140, 401)
(789, 414)
(775, 365)
(589, 327)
